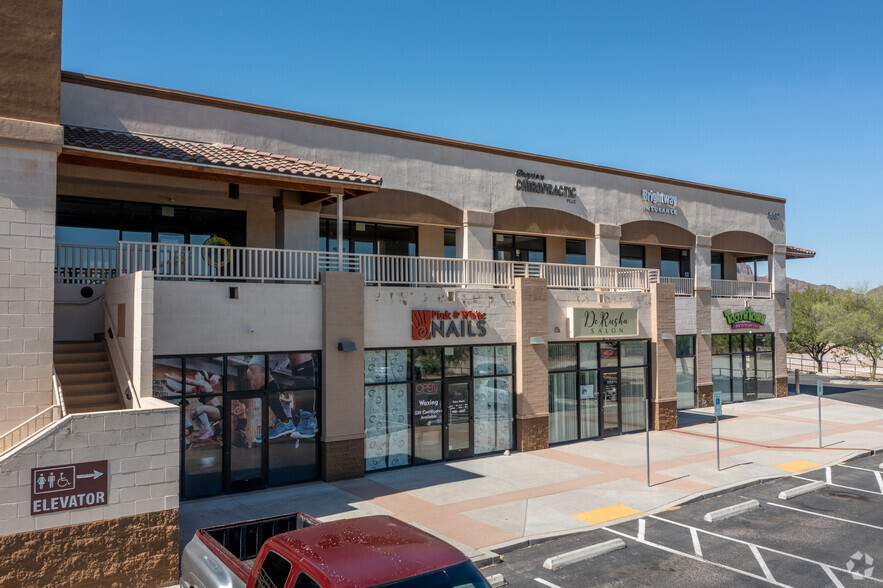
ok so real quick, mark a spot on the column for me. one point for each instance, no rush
(30, 141)
(780, 297)
(702, 274)
(476, 241)
(664, 399)
(531, 365)
(342, 445)
(607, 245)
(297, 226)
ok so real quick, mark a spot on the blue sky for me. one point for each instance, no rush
(782, 98)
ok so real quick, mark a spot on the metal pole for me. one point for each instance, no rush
(647, 429)
(820, 420)
(340, 232)
(717, 429)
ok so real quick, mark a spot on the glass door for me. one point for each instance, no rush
(427, 421)
(611, 405)
(245, 446)
(458, 419)
(750, 384)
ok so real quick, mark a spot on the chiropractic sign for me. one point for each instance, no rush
(428, 324)
(745, 319)
(602, 322)
(68, 487)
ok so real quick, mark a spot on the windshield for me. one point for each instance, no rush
(462, 575)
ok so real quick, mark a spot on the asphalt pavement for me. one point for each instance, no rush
(832, 536)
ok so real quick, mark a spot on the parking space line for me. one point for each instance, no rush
(879, 477)
(840, 465)
(842, 486)
(551, 585)
(818, 514)
(694, 557)
(770, 549)
(832, 576)
(642, 527)
(697, 549)
(828, 475)
(761, 563)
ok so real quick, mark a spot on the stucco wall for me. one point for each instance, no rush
(461, 177)
(560, 300)
(133, 293)
(198, 317)
(78, 318)
(388, 315)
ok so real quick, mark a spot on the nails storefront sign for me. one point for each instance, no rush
(429, 324)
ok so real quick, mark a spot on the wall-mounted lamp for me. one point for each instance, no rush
(451, 295)
(234, 293)
(537, 341)
(346, 346)
(667, 337)
(557, 329)
(250, 330)
(705, 332)
(233, 191)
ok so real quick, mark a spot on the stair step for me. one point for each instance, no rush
(91, 399)
(93, 407)
(87, 388)
(65, 358)
(77, 347)
(74, 378)
(95, 367)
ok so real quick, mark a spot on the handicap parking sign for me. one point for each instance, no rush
(718, 408)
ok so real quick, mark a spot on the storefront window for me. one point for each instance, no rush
(368, 238)
(230, 404)
(717, 265)
(407, 412)
(685, 371)
(450, 245)
(519, 248)
(576, 393)
(631, 255)
(674, 263)
(742, 366)
(575, 252)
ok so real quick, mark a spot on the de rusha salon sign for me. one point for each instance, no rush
(429, 324)
(68, 487)
(602, 322)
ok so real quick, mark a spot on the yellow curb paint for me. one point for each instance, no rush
(674, 508)
(605, 514)
(798, 466)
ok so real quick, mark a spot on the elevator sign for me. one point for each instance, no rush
(68, 487)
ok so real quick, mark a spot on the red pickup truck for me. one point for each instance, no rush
(298, 551)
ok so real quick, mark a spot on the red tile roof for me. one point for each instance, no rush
(210, 154)
(793, 252)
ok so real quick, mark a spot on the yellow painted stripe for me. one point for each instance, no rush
(798, 466)
(605, 514)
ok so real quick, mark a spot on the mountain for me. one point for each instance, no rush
(800, 286)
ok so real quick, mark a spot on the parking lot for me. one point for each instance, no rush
(832, 536)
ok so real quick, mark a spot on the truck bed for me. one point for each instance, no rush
(243, 540)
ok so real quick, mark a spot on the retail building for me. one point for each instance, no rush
(284, 297)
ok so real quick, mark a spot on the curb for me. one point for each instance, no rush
(723, 513)
(578, 555)
(800, 490)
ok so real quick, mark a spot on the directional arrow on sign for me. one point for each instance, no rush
(94, 475)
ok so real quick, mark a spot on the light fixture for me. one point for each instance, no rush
(537, 341)
(557, 329)
(667, 337)
(233, 191)
(346, 346)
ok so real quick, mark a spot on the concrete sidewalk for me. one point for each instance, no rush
(482, 503)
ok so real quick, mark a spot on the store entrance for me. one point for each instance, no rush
(457, 440)
(610, 402)
(244, 451)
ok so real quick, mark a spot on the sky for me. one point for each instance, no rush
(782, 97)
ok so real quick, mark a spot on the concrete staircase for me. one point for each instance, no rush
(87, 382)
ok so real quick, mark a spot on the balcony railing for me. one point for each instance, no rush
(82, 264)
(207, 262)
(683, 286)
(740, 289)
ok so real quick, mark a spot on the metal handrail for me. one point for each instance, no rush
(19, 434)
(122, 358)
(57, 394)
(683, 286)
